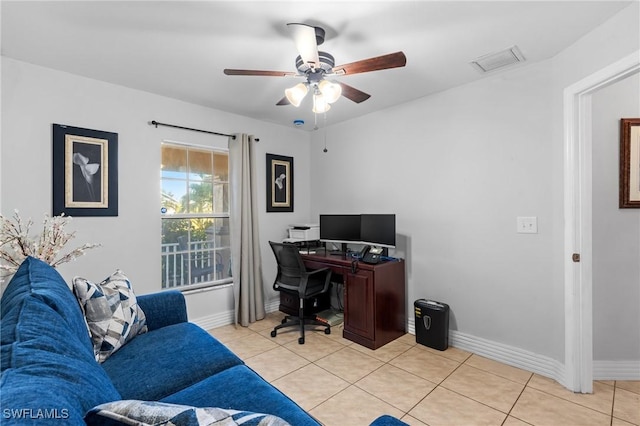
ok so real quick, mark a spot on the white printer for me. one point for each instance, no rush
(303, 232)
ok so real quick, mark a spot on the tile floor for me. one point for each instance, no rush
(342, 383)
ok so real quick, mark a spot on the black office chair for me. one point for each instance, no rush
(294, 278)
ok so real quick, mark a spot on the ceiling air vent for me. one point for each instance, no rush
(498, 60)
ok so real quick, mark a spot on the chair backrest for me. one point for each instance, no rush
(291, 269)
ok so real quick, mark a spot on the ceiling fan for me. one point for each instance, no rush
(317, 67)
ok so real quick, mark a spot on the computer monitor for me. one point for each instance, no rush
(340, 228)
(369, 229)
(378, 230)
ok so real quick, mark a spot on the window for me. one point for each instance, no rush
(196, 248)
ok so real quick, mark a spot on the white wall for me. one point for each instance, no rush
(458, 168)
(616, 232)
(34, 97)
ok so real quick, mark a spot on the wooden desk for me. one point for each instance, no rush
(374, 297)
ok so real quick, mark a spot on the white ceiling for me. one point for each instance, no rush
(179, 48)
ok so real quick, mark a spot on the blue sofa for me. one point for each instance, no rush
(49, 373)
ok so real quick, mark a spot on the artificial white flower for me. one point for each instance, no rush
(16, 245)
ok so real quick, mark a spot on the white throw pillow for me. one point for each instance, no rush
(111, 311)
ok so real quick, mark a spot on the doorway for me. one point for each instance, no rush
(578, 260)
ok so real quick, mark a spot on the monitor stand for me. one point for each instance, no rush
(342, 253)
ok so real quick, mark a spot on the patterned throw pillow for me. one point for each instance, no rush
(111, 311)
(134, 412)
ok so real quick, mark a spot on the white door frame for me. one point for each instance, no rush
(578, 283)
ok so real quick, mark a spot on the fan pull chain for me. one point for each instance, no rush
(325, 133)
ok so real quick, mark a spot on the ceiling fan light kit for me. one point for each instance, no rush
(320, 104)
(296, 94)
(315, 65)
(330, 90)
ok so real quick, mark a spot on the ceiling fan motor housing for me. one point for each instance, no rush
(319, 35)
(327, 62)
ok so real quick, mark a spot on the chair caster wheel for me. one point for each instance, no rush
(301, 340)
(327, 331)
(273, 333)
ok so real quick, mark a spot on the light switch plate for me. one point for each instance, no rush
(527, 224)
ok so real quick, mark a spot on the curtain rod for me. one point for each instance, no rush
(156, 123)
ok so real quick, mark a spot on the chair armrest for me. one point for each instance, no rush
(163, 308)
(302, 290)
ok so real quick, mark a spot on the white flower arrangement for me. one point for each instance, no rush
(16, 244)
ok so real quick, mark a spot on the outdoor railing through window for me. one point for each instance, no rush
(200, 264)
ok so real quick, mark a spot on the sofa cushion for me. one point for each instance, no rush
(181, 354)
(35, 278)
(241, 388)
(159, 413)
(48, 373)
(111, 311)
(163, 308)
(387, 420)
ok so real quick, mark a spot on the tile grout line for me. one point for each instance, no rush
(570, 401)
(518, 399)
(437, 386)
(388, 362)
(613, 402)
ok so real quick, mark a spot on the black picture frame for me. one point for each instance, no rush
(629, 163)
(279, 183)
(85, 172)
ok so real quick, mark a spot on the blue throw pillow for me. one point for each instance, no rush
(142, 413)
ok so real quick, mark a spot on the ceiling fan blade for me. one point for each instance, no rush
(262, 73)
(283, 101)
(353, 94)
(392, 60)
(304, 37)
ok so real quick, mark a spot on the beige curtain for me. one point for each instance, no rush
(246, 266)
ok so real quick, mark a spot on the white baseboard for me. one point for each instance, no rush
(505, 354)
(510, 355)
(616, 370)
(272, 306)
(540, 364)
(225, 318)
(214, 320)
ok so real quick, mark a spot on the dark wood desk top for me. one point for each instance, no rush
(324, 257)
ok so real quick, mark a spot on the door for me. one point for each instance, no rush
(359, 304)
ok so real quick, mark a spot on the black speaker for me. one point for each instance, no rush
(432, 323)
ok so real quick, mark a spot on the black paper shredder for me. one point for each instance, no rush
(432, 323)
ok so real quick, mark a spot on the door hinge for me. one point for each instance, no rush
(576, 257)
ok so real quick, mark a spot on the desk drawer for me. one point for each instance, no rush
(335, 269)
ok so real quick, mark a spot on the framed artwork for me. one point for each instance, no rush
(85, 172)
(279, 183)
(630, 163)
